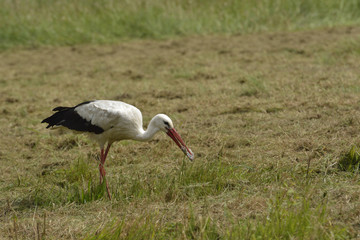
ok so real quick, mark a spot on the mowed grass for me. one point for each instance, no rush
(258, 111)
(272, 119)
(33, 23)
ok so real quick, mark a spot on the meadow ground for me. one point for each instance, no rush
(268, 116)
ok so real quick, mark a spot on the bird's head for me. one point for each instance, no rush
(165, 124)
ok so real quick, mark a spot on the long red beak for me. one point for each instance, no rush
(178, 140)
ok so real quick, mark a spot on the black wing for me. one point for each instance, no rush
(68, 117)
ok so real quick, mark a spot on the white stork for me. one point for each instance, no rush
(109, 121)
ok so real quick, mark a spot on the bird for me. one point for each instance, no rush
(108, 121)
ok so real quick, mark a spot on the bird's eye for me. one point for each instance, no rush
(167, 124)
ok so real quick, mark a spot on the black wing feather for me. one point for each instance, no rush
(68, 117)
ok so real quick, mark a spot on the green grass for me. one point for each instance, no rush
(290, 211)
(79, 183)
(38, 22)
(285, 219)
(350, 161)
(270, 117)
(255, 85)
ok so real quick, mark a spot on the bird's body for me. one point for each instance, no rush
(118, 120)
(108, 121)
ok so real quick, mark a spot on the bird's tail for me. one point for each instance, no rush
(70, 118)
(57, 118)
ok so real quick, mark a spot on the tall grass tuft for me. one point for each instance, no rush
(39, 22)
(350, 161)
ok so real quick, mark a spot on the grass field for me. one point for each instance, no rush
(33, 23)
(272, 117)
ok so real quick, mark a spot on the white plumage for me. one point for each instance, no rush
(119, 120)
(108, 121)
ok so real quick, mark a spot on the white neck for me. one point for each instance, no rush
(149, 133)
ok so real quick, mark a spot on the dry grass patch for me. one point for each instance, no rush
(268, 117)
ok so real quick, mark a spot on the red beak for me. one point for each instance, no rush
(178, 140)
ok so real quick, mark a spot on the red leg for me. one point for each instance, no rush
(107, 151)
(102, 169)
